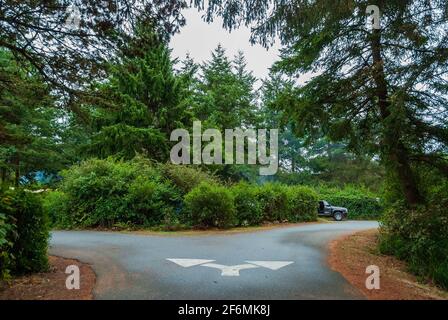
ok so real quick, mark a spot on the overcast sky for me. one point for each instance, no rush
(199, 38)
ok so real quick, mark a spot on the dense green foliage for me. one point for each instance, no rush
(281, 203)
(302, 203)
(210, 205)
(274, 200)
(102, 193)
(249, 210)
(28, 126)
(56, 203)
(24, 233)
(420, 236)
(360, 202)
(113, 193)
(225, 95)
(185, 178)
(249, 204)
(6, 243)
(141, 103)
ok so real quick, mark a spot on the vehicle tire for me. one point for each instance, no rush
(338, 216)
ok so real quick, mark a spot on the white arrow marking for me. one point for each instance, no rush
(186, 263)
(273, 265)
(230, 271)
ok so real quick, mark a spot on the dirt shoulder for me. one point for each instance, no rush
(351, 254)
(50, 285)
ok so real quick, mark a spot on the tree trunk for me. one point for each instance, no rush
(395, 151)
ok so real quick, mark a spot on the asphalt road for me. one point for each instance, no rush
(283, 263)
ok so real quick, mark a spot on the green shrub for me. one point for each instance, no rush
(186, 178)
(150, 201)
(274, 200)
(27, 240)
(302, 204)
(419, 237)
(7, 235)
(210, 205)
(358, 208)
(360, 202)
(248, 207)
(97, 189)
(55, 203)
(103, 193)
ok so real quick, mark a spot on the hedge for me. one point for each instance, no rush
(358, 207)
(273, 198)
(302, 204)
(113, 193)
(24, 233)
(249, 210)
(360, 202)
(107, 193)
(210, 205)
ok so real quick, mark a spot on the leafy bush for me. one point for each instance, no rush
(210, 205)
(360, 202)
(150, 201)
(302, 204)
(26, 242)
(358, 208)
(274, 200)
(287, 203)
(186, 178)
(248, 207)
(6, 243)
(55, 203)
(113, 193)
(420, 237)
(102, 193)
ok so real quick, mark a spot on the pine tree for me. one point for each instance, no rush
(247, 104)
(143, 102)
(227, 97)
(28, 123)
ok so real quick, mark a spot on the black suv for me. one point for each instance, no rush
(327, 210)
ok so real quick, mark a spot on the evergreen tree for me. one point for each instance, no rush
(189, 73)
(143, 101)
(29, 124)
(247, 98)
(227, 97)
